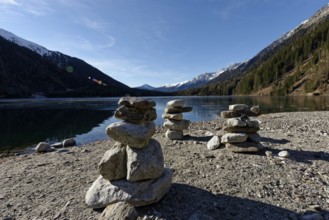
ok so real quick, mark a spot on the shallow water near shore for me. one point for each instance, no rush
(25, 122)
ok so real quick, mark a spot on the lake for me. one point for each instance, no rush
(26, 122)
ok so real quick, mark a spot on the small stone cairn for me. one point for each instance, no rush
(239, 133)
(174, 122)
(132, 171)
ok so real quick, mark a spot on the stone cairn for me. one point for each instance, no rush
(174, 122)
(132, 170)
(239, 133)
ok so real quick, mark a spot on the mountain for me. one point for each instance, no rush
(30, 70)
(296, 63)
(196, 82)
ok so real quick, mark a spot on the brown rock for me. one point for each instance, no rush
(120, 211)
(140, 103)
(135, 115)
(178, 109)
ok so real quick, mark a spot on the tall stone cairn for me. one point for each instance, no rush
(240, 131)
(174, 122)
(132, 170)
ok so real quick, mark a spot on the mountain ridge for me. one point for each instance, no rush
(268, 66)
(30, 70)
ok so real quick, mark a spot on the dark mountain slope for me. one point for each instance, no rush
(25, 73)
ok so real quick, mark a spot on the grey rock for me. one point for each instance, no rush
(43, 147)
(256, 110)
(237, 107)
(253, 123)
(268, 153)
(213, 143)
(176, 125)
(283, 154)
(178, 109)
(70, 142)
(113, 165)
(134, 135)
(145, 163)
(174, 135)
(135, 115)
(173, 116)
(136, 102)
(120, 211)
(235, 122)
(234, 137)
(140, 193)
(176, 103)
(234, 114)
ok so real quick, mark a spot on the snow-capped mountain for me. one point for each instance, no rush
(24, 43)
(31, 70)
(197, 81)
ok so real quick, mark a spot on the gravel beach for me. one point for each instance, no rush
(215, 184)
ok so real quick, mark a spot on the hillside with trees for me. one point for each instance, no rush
(298, 65)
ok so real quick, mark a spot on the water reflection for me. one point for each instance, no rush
(27, 122)
(22, 128)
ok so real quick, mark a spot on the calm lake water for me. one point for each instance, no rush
(26, 122)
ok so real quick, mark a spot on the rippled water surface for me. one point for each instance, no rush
(25, 122)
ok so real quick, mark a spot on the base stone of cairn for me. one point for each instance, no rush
(132, 170)
(240, 131)
(174, 122)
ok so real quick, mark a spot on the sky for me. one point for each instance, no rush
(155, 42)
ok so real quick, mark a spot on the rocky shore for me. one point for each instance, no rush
(207, 184)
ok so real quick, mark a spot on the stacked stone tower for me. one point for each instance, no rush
(240, 131)
(174, 121)
(132, 170)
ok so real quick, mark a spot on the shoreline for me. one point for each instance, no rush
(210, 183)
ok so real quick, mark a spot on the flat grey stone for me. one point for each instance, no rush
(176, 125)
(136, 102)
(173, 116)
(176, 103)
(235, 122)
(113, 165)
(145, 163)
(134, 135)
(234, 137)
(139, 193)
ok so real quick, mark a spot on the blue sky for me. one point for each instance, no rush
(155, 42)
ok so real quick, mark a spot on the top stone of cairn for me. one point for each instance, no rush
(135, 102)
